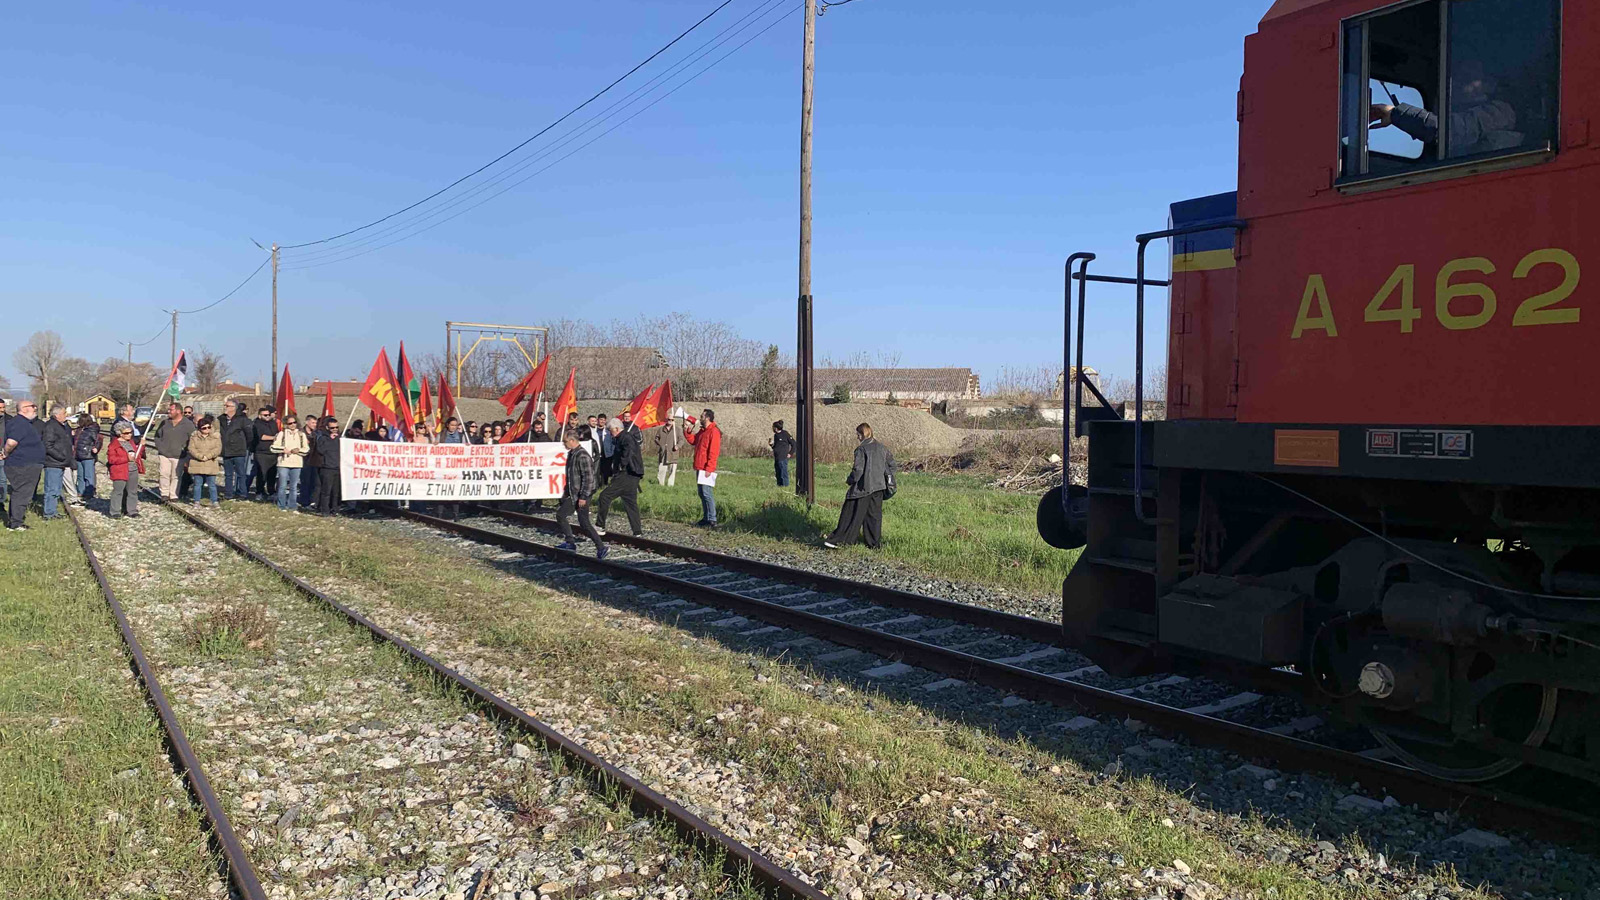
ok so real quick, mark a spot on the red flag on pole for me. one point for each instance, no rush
(527, 388)
(381, 393)
(534, 385)
(658, 411)
(283, 397)
(447, 401)
(327, 400)
(567, 403)
(639, 402)
(425, 407)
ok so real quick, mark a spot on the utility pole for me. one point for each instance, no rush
(274, 309)
(805, 478)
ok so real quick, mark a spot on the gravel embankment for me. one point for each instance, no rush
(1333, 840)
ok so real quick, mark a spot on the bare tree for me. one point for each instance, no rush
(39, 359)
(75, 380)
(128, 383)
(210, 370)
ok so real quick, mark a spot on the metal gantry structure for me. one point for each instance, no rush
(520, 336)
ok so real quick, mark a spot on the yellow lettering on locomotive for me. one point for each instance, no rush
(1404, 280)
(1316, 291)
(1445, 292)
(1532, 310)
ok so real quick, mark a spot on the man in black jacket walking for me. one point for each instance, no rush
(627, 469)
(579, 485)
(238, 434)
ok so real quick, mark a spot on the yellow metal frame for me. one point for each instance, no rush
(482, 332)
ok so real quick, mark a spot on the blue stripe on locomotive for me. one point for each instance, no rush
(1206, 250)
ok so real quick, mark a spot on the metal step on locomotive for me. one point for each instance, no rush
(1380, 464)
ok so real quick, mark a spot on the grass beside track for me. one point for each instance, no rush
(89, 806)
(945, 526)
(844, 757)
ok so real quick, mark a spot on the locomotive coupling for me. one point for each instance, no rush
(1429, 612)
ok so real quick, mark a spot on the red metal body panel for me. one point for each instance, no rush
(1304, 232)
(1200, 373)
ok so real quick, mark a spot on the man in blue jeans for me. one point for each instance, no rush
(57, 437)
(238, 439)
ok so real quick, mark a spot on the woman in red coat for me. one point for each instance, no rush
(122, 455)
(707, 441)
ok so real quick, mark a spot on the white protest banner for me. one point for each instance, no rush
(381, 470)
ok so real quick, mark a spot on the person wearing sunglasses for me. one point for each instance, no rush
(205, 458)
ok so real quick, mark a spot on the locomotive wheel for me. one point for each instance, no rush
(1521, 713)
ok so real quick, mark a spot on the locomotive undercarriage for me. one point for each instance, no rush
(1459, 621)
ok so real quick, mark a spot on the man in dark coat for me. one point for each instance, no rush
(23, 453)
(58, 456)
(579, 485)
(782, 449)
(627, 471)
(265, 428)
(328, 445)
(238, 437)
(862, 515)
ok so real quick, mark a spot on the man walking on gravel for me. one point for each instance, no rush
(575, 494)
(707, 441)
(172, 442)
(238, 435)
(628, 470)
(869, 482)
(23, 453)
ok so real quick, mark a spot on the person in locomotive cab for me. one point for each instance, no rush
(1479, 122)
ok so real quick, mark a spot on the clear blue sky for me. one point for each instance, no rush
(962, 151)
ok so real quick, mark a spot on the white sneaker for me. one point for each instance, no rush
(600, 531)
(830, 545)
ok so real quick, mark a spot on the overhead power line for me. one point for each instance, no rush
(339, 254)
(304, 260)
(248, 279)
(540, 133)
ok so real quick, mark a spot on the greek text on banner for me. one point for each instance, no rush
(380, 470)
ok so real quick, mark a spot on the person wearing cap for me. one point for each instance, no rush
(122, 459)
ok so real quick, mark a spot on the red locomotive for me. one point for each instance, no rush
(1381, 459)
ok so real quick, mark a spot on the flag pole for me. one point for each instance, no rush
(150, 426)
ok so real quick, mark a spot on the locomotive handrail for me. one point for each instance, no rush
(1138, 354)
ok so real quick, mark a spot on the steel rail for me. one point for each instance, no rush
(739, 857)
(1405, 784)
(240, 872)
(994, 620)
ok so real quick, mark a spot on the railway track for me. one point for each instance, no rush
(965, 644)
(343, 761)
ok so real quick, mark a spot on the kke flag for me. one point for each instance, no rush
(425, 407)
(567, 403)
(529, 388)
(533, 384)
(662, 412)
(380, 393)
(327, 402)
(639, 402)
(447, 401)
(178, 378)
(409, 389)
(283, 396)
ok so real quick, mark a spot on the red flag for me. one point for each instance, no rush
(327, 401)
(447, 401)
(528, 388)
(425, 407)
(524, 424)
(658, 411)
(640, 401)
(567, 403)
(381, 393)
(534, 384)
(283, 397)
(403, 394)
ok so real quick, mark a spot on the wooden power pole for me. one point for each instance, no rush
(274, 309)
(805, 476)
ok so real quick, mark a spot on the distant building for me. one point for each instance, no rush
(225, 387)
(1089, 375)
(606, 372)
(910, 386)
(340, 388)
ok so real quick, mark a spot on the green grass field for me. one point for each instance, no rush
(88, 802)
(947, 526)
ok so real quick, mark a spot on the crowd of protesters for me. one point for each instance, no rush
(295, 464)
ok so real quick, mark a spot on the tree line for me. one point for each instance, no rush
(55, 376)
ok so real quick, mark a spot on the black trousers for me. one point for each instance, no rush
(568, 505)
(265, 478)
(626, 486)
(24, 481)
(861, 519)
(327, 491)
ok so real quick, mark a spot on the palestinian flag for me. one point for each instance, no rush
(178, 378)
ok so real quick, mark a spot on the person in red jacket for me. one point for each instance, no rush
(122, 454)
(707, 441)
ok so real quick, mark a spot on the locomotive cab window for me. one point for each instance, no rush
(1439, 84)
